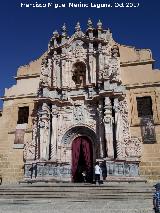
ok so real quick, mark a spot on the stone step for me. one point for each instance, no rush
(108, 191)
(105, 185)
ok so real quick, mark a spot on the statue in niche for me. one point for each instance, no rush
(114, 70)
(115, 51)
(45, 138)
(108, 122)
(79, 73)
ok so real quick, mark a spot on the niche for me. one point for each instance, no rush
(79, 74)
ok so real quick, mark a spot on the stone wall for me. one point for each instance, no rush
(11, 157)
(150, 160)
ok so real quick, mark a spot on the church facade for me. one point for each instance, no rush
(87, 99)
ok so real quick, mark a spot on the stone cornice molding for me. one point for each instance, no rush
(135, 63)
(27, 76)
(6, 98)
(140, 85)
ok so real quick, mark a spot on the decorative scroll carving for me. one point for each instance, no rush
(134, 147)
(31, 147)
(126, 146)
(91, 114)
(122, 127)
(111, 64)
(29, 150)
(44, 72)
(79, 51)
(78, 114)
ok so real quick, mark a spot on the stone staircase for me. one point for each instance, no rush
(79, 198)
(121, 191)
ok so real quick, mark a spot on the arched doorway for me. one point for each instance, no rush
(82, 159)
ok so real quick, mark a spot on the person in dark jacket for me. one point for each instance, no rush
(156, 198)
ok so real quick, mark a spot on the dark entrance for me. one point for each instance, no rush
(82, 159)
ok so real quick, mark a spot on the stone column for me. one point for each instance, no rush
(44, 124)
(100, 61)
(122, 127)
(63, 72)
(108, 124)
(54, 78)
(50, 71)
(70, 73)
(101, 130)
(90, 56)
(54, 133)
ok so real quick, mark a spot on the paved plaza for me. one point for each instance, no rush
(76, 206)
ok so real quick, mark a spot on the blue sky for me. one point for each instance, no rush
(25, 32)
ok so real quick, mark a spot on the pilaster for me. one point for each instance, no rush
(108, 123)
(44, 124)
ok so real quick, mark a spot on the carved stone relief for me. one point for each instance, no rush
(44, 72)
(134, 147)
(126, 146)
(30, 147)
(78, 114)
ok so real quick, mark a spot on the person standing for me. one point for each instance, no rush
(97, 170)
(156, 198)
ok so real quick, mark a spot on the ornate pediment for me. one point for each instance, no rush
(92, 35)
(82, 60)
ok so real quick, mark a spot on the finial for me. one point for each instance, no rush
(89, 24)
(78, 27)
(109, 30)
(64, 30)
(55, 34)
(99, 25)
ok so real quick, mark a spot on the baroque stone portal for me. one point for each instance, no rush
(81, 95)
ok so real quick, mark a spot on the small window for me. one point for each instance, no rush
(144, 106)
(23, 113)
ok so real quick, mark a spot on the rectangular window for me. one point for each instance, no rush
(23, 114)
(144, 106)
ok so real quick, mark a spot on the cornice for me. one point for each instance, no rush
(27, 76)
(140, 85)
(135, 63)
(6, 98)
